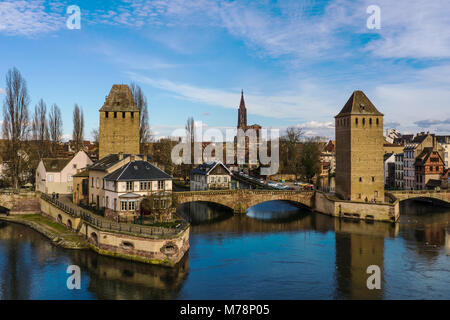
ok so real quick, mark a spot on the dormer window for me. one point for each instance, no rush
(106, 114)
(123, 115)
(115, 114)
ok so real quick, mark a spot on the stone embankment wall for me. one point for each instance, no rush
(20, 203)
(128, 241)
(388, 212)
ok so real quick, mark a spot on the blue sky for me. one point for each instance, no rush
(297, 61)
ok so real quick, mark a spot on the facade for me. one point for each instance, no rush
(103, 167)
(429, 165)
(125, 187)
(55, 175)
(119, 123)
(210, 176)
(389, 170)
(399, 171)
(81, 187)
(359, 150)
(412, 151)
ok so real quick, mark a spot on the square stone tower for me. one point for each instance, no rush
(119, 123)
(359, 150)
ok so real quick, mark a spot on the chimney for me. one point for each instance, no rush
(132, 157)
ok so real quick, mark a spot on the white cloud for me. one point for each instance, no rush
(2, 91)
(307, 99)
(28, 18)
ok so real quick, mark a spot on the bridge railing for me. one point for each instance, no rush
(110, 225)
(417, 191)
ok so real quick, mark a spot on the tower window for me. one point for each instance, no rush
(132, 114)
(123, 115)
(356, 121)
(106, 114)
(115, 114)
(364, 121)
(378, 121)
(370, 121)
(373, 179)
(360, 179)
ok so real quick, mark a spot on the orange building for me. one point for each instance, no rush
(429, 165)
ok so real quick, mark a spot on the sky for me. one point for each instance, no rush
(298, 61)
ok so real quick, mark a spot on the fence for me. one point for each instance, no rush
(106, 224)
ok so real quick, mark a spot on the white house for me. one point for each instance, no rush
(55, 174)
(125, 187)
(210, 175)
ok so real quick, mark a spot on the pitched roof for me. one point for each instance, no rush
(138, 170)
(55, 164)
(82, 173)
(242, 103)
(120, 99)
(207, 167)
(358, 103)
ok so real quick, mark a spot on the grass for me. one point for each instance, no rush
(41, 219)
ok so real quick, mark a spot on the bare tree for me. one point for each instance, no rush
(40, 134)
(78, 128)
(144, 126)
(15, 126)
(290, 151)
(55, 126)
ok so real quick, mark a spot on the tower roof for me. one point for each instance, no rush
(242, 103)
(120, 99)
(358, 103)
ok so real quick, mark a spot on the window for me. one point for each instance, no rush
(50, 178)
(356, 121)
(160, 185)
(123, 115)
(130, 205)
(132, 114)
(123, 205)
(69, 177)
(97, 182)
(69, 188)
(106, 114)
(370, 121)
(129, 185)
(115, 114)
(373, 179)
(364, 121)
(92, 185)
(107, 202)
(378, 121)
(360, 179)
(74, 165)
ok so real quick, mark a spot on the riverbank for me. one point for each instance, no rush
(56, 233)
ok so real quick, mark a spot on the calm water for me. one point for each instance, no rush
(276, 251)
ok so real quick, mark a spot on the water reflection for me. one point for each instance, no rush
(275, 251)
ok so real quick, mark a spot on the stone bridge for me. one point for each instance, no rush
(443, 195)
(19, 202)
(240, 200)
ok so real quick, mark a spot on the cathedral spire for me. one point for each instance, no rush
(242, 113)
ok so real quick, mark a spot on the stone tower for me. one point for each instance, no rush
(242, 114)
(119, 123)
(359, 150)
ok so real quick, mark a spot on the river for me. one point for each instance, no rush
(275, 251)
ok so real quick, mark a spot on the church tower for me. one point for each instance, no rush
(242, 114)
(119, 123)
(359, 150)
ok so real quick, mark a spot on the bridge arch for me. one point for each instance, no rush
(438, 196)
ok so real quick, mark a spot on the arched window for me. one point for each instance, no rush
(364, 121)
(378, 121)
(370, 121)
(123, 114)
(356, 121)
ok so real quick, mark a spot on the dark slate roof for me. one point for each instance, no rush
(55, 164)
(138, 170)
(419, 138)
(206, 167)
(111, 159)
(358, 103)
(120, 99)
(388, 155)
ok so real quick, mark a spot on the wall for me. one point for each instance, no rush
(59, 215)
(151, 250)
(356, 210)
(17, 203)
